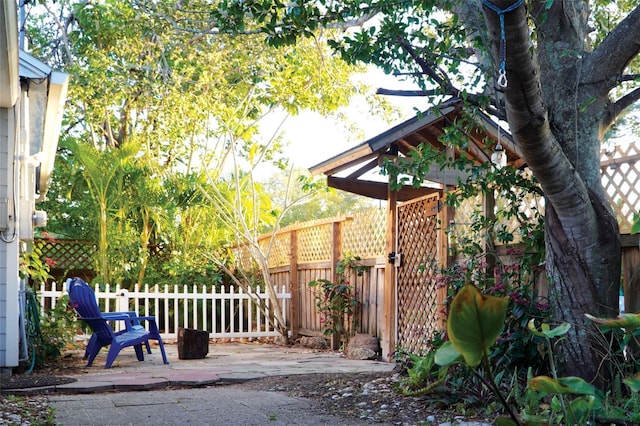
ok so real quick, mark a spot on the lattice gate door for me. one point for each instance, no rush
(417, 242)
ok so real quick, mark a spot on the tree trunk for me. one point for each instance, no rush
(579, 285)
(555, 122)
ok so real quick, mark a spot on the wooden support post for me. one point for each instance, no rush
(488, 211)
(631, 279)
(294, 286)
(445, 258)
(388, 338)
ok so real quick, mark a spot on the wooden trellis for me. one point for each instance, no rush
(67, 254)
(417, 291)
(621, 179)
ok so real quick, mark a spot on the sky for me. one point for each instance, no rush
(312, 138)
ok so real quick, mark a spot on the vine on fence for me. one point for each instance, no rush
(337, 301)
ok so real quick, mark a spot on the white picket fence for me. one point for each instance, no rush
(224, 314)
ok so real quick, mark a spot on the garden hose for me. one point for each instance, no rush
(32, 325)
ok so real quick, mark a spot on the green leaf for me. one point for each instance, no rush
(626, 321)
(561, 386)
(579, 410)
(546, 331)
(504, 421)
(635, 228)
(633, 383)
(475, 322)
(447, 354)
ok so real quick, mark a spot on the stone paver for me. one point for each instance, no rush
(128, 394)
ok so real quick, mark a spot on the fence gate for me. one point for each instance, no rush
(417, 243)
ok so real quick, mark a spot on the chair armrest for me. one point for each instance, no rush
(131, 318)
(119, 314)
(153, 326)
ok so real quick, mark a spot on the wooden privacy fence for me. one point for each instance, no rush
(307, 252)
(231, 313)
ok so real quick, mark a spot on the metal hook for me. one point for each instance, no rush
(502, 79)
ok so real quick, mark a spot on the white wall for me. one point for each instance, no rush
(9, 283)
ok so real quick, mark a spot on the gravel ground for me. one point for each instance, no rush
(371, 397)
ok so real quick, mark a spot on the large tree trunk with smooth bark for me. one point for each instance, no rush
(558, 106)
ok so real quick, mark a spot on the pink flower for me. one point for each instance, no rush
(50, 261)
(47, 236)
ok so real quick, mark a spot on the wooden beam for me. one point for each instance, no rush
(364, 169)
(616, 161)
(377, 190)
(628, 240)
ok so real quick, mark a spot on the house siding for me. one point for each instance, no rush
(9, 282)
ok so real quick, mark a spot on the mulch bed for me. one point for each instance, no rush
(32, 380)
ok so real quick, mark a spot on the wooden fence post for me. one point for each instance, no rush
(294, 286)
(336, 251)
(631, 273)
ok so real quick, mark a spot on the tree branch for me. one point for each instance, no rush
(615, 52)
(491, 109)
(426, 68)
(613, 110)
(407, 93)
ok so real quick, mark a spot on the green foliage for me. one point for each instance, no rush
(50, 333)
(34, 266)
(337, 302)
(57, 332)
(635, 227)
(154, 114)
(322, 202)
(475, 322)
(424, 375)
(473, 325)
(569, 400)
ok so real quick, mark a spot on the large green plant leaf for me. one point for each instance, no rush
(561, 386)
(447, 354)
(633, 383)
(546, 331)
(475, 322)
(626, 321)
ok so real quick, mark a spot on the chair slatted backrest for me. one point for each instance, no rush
(83, 300)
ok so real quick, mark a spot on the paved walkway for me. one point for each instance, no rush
(99, 397)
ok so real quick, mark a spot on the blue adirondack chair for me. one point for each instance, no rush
(83, 301)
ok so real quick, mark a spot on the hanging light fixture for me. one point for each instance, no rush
(499, 157)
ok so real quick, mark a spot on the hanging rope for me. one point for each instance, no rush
(502, 72)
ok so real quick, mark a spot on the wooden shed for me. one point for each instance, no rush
(412, 300)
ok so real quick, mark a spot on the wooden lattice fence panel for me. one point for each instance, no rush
(314, 243)
(68, 255)
(417, 292)
(365, 235)
(621, 179)
(280, 254)
(460, 231)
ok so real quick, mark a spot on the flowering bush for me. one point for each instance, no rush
(516, 348)
(34, 267)
(337, 302)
